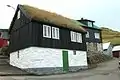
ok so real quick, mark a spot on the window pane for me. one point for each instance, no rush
(79, 38)
(53, 32)
(49, 31)
(44, 30)
(73, 36)
(57, 33)
(89, 24)
(87, 35)
(97, 35)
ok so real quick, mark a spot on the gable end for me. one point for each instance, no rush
(19, 8)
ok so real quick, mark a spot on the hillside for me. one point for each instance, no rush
(109, 35)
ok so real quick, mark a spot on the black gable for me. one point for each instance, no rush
(19, 8)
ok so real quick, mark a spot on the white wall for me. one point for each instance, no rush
(80, 59)
(36, 57)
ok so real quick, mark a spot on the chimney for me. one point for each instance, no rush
(82, 19)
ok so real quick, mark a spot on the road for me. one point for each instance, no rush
(105, 71)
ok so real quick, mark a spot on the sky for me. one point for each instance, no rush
(105, 13)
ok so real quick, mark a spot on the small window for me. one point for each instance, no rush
(97, 35)
(73, 36)
(18, 55)
(89, 24)
(79, 37)
(18, 16)
(87, 35)
(55, 33)
(74, 52)
(76, 37)
(46, 31)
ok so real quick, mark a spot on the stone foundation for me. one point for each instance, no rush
(54, 70)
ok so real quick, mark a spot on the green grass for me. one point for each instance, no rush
(109, 35)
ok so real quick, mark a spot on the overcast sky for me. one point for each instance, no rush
(104, 12)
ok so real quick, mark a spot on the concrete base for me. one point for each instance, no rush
(53, 70)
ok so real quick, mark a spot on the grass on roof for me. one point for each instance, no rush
(52, 18)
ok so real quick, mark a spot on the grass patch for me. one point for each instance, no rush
(109, 35)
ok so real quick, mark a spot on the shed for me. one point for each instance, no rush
(116, 51)
(107, 48)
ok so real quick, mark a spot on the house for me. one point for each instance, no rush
(43, 42)
(3, 37)
(93, 36)
(107, 48)
(116, 51)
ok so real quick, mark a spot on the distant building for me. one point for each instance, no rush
(116, 51)
(93, 36)
(107, 48)
(3, 37)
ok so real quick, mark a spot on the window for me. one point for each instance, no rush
(79, 38)
(46, 31)
(89, 24)
(73, 36)
(76, 37)
(18, 55)
(18, 16)
(74, 52)
(97, 35)
(87, 35)
(55, 33)
(1, 35)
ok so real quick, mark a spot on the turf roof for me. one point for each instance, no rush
(52, 18)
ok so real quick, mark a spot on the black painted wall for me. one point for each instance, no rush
(63, 43)
(91, 32)
(92, 36)
(20, 30)
(25, 34)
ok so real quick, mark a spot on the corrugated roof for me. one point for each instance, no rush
(106, 45)
(52, 18)
(116, 48)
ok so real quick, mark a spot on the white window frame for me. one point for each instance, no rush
(55, 33)
(48, 33)
(79, 37)
(73, 36)
(97, 35)
(18, 15)
(90, 24)
(87, 35)
(76, 37)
